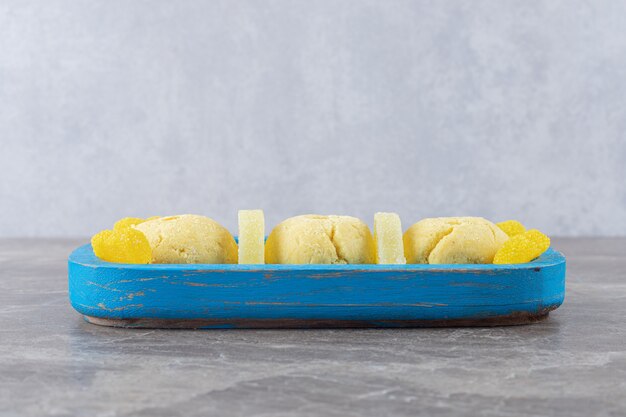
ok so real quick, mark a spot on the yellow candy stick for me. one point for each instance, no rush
(251, 237)
(388, 238)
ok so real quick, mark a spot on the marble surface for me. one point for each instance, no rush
(53, 363)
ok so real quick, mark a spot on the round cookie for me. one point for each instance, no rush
(453, 240)
(315, 239)
(189, 239)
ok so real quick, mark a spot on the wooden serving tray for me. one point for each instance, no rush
(307, 296)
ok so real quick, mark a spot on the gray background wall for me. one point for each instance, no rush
(505, 109)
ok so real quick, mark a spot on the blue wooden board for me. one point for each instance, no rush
(248, 296)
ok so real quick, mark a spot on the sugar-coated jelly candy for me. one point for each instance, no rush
(522, 248)
(388, 238)
(127, 222)
(511, 227)
(122, 245)
(251, 237)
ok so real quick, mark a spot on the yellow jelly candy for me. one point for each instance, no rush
(522, 248)
(251, 237)
(122, 245)
(127, 222)
(388, 237)
(511, 227)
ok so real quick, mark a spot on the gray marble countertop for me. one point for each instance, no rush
(54, 363)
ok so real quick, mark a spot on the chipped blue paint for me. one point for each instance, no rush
(372, 293)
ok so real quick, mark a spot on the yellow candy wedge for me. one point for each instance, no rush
(251, 237)
(522, 248)
(511, 227)
(122, 245)
(131, 222)
(127, 222)
(388, 238)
